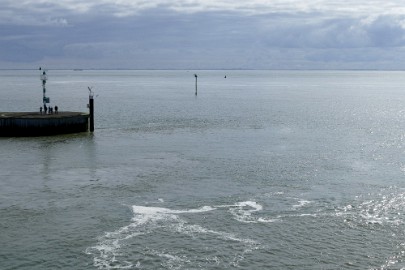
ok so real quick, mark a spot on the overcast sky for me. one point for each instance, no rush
(203, 34)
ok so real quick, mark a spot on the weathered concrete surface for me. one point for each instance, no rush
(26, 124)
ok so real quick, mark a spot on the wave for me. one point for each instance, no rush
(301, 203)
(113, 251)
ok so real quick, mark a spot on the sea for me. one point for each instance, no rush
(262, 169)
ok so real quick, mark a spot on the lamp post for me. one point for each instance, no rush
(44, 78)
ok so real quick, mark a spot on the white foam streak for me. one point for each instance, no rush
(265, 220)
(256, 207)
(146, 219)
(156, 211)
(171, 260)
(300, 204)
(243, 211)
(108, 248)
(193, 229)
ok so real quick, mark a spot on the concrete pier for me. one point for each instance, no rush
(27, 124)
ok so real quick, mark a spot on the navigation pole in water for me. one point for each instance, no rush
(195, 75)
(44, 78)
(91, 108)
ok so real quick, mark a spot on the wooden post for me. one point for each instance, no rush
(91, 107)
(195, 75)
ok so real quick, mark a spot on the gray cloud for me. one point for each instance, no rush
(386, 31)
(200, 34)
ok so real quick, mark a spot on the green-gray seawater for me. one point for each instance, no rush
(261, 170)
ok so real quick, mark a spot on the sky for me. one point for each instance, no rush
(202, 34)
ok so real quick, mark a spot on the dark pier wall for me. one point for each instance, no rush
(34, 124)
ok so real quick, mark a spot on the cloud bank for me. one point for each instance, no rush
(202, 34)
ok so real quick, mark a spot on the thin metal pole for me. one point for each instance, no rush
(195, 75)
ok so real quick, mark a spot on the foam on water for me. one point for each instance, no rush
(158, 212)
(111, 251)
(243, 212)
(301, 203)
